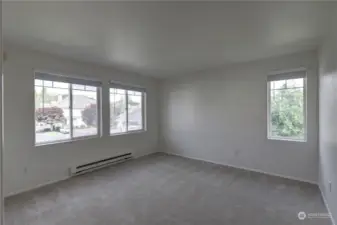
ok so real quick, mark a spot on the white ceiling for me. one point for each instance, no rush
(166, 38)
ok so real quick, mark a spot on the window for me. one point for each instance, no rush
(287, 106)
(84, 110)
(135, 112)
(126, 109)
(65, 108)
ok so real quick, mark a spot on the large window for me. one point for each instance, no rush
(287, 106)
(65, 108)
(126, 110)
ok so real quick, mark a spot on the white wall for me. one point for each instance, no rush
(221, 116)
(328, 121)
(1, 164)
(26, 166)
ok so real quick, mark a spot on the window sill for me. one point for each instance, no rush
(287, 139)
(67, 141)
(128, 132)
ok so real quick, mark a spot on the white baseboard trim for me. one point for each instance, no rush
(247, 169)
(327, 205)
(58, 180)
(35, 187)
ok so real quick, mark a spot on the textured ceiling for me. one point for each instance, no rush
(163, 39)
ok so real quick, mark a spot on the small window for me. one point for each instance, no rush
(287, 106)
(126, 110)
(64, 109)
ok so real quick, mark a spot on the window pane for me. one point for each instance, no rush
(47, 83)
(85, 113)
(117, 111)
(60, 85)
(78, 86)
(135, 114)
(38, 82)
(287, 111)
(278, 84)
(90, 88)
(38, 97)
(51, 114)
(294, 83)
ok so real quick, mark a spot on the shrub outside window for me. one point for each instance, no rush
(287, 106)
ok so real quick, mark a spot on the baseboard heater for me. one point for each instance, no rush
(88, 167)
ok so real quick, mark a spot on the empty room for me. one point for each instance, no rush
(169, 112)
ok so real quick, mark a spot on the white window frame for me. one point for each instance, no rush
(287, 75)
(126, 88)
(42, 75)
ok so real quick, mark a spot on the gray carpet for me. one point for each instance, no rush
(162, 189)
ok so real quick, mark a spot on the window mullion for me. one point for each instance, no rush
(99, 110)
(127, 110)
(71, 110)
(143, 110)
(269, 109)
(305, 96)
(43, 90)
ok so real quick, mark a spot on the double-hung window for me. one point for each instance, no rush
(65, 108)
(127, 109)
(287, 106)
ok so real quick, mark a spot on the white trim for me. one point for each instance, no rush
(268, 110)
(23, 190)
(305, 106)
(10, 194)
(99, 109)
(295, 70)
(275, 138)
(247, 169)
(71, 128)
(127, 132)
(305, 111)
(126, 110)
(327, 206)
(62, 75)
(71, 113)
(125, 86)
(75, 139)
(143, 113)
